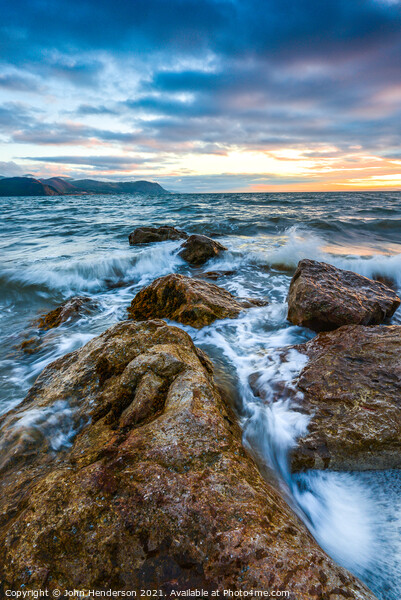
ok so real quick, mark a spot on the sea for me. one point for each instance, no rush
(53, 248)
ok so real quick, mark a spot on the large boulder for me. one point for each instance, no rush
(147, 235)
(198, 249)
(323, 298)
(73, 308)
(186, 300)
(351, 387)
(153, 490)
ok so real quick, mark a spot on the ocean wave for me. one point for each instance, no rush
(301, 243)
(92, 275)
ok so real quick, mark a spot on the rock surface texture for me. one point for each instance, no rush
(147, 235)
(198, 249)
(186, 300)
(352, 389)
(155, 492)
(323, 298)
(71, 309)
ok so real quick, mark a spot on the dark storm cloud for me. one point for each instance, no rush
(246, 73)
(311, 27)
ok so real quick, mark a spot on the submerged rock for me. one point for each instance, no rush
(155, 491)
(352, 390)
(215, 275)
(323, 298)
(147, 235)
(186, 300)
(198, 249)
(70, 309)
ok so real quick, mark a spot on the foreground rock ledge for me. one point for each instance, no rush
(156, 491)
(188, 301)
(352, 389)
(148, 235)
(323, 298)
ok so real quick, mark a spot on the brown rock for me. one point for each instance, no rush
(352, 389)
(186, 300)
(215, 275)
(31, 345)
(198, 249)
(147, 235)
(323, 297)
(156, 491)
(71, 309)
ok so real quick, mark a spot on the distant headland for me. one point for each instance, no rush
(61, 186)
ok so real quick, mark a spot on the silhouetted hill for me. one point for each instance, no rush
(63, 186)
(118, 187)
(58, 186)
(25, 186)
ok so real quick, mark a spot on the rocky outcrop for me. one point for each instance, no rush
(70, 309)
(147, 235)
(323, 298)
(352, 390)
(198, 249)
(186, 300)
(154, 491)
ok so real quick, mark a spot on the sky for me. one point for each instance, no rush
(204, 95)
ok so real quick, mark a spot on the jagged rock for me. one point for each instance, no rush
(323, 298)
(155, 491)
(147, 235)
(70, 309)
(352, 390)
(188, 301)
(198, 249)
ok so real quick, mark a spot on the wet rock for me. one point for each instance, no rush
(186, 300)
(388, 281)
(352, 390)
(323, 298)
(198, 249)
(71, 309)
(215, 275)
(147, 235)
(155, 490)
(30, 345)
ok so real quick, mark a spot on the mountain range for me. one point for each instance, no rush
(60, 186)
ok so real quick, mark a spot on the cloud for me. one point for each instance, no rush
(90, 109)
(215, 76)
(20, 83)
(77, 71)
(10, 169)
(105, 162)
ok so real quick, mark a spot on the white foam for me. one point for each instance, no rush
(92, 274)
(341, 516)
(55, 423)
